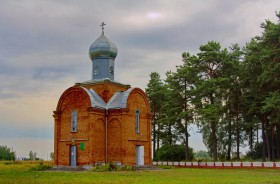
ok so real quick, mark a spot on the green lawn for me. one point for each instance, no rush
(18, 173)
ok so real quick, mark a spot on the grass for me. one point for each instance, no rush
(21, 173)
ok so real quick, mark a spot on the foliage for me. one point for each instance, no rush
(32, 155)
(40, 167)
(156, 94)
(201, 154)
(232, 94)
(12, 162)
(52, 155)
(173, 153)
(112, 167)
(6, 153)
(256, 152)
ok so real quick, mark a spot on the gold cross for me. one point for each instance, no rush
(102, 25)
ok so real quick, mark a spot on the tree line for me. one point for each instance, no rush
(231, 94)
(7, 153)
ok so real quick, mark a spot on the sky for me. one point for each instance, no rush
(44, 50)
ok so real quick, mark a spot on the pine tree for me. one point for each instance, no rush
(155, 92)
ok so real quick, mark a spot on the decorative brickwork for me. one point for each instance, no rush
(92, 121)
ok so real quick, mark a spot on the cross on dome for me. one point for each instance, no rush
(102, 25)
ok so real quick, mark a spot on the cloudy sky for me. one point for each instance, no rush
(44, 50)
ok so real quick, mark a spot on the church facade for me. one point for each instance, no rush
(102, 120)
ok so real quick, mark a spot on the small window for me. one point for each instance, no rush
(96, 70)
(74, 121)
(111, 70)
(137, 121)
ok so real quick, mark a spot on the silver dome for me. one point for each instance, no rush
(103, 48)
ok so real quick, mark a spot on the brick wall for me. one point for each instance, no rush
(122, 138)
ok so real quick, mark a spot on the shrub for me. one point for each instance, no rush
(128, 168)
(107, 167)
(256, 153)
(12, 163)
(40, 167)
(112, 167)
(173, 153)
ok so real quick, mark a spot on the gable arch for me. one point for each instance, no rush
(140, 93)
(69, 95)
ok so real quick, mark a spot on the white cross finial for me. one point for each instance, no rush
(102, 25)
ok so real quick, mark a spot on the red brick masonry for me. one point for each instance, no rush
(122, 138)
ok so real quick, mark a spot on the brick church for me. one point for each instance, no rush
(102, 120)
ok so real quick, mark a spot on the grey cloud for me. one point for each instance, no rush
(51, 73)
(22, 131)
(5, 95)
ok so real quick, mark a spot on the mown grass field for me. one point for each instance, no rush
(20, 173)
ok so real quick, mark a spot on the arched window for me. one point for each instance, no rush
(137, 121)
(74, 121)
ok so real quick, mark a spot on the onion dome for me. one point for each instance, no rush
(103, 48)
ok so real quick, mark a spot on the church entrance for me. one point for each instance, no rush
(73, 155)
(139, 155)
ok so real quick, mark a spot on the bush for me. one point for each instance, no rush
(256, 153)
(40, 167)
(112, 167)
(201, 155)
(128, 168)
(12, 163)
(173, 153)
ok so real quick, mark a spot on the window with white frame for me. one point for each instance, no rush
(74, 121)
(137, 121)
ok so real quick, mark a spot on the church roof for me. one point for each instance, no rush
(96, 100)
(117, 101)
(91, 82)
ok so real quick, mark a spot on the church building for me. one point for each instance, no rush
(102, 120)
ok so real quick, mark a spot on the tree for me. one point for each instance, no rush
(6, 153)
(253, 94)
(169, 114)
(232, 99)
(201, 155)
(209, 92)
(155, 93)
(32, 155)
(270, 82)
(181, 85)
(233, 95)
(52, 155)
(263, 93)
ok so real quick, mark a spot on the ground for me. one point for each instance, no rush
(20, 173)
